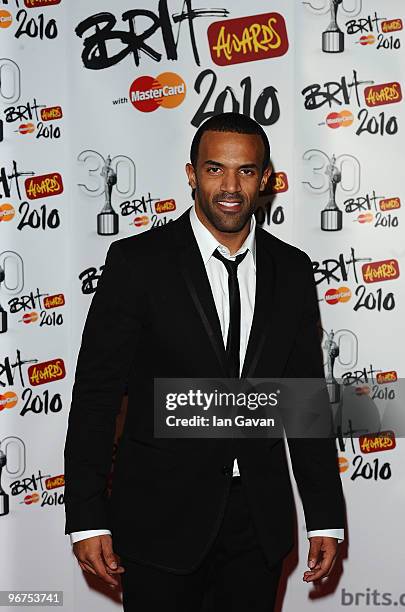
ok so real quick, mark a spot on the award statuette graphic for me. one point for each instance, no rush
(332, 350)
(333, 39)
(3, 313)
(331, 216)
(4, 505)
(107, 219)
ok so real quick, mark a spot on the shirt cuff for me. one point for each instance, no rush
(328, 533)
(76, 536)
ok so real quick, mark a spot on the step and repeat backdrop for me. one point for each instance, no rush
(99, 101)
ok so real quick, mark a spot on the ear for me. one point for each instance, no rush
(266, 175)
(192, 181)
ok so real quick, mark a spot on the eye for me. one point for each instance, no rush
(248, 171)
(213, 170)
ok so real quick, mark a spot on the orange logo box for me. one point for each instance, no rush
(165, 206)
(55, 481)
(392, 25)
(5, 19)
(43, 186)
(46, 372)
(35, 3)
(52, 112)
(278, 182)
(378, 271)
(376, 442)
(8, 400)
(387, 93)
(386, 377)
(343, 464)
(246, 39)
(53, 301)
(7, 212)
(390, 204)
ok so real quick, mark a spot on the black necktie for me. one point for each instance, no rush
(233, 339)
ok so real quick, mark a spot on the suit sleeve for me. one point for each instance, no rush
(109, 343)
(314, 460)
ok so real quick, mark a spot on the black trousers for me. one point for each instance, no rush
(234, 576)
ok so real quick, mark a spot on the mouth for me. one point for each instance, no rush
(229, 205)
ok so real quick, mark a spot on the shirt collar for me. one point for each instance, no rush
(207, 242)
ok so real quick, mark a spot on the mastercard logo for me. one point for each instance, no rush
(26, 128)
(7, 212)
(139, 221)
(5, 19)
(336, 120)
(8, 400)
(148, 93)
(362, 390)
(333, 296)
(367, 40)
(31, 499)
(343, 464)
(30, 317)
(365, 217)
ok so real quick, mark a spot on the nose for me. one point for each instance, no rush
(230, 182)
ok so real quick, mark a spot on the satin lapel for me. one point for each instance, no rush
(191, 266)
(264, 304)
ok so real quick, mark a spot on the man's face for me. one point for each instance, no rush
(228, 178)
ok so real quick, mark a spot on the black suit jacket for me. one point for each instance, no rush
(153, 315)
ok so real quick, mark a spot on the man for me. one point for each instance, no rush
(195, 516)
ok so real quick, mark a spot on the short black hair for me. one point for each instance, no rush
(230, 122)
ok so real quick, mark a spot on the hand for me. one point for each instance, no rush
(95, 555)
(321, 557)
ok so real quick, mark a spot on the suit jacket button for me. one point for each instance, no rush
(227, 471)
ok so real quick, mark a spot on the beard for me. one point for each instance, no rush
(232, 221)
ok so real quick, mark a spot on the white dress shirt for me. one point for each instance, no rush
(218, 279)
